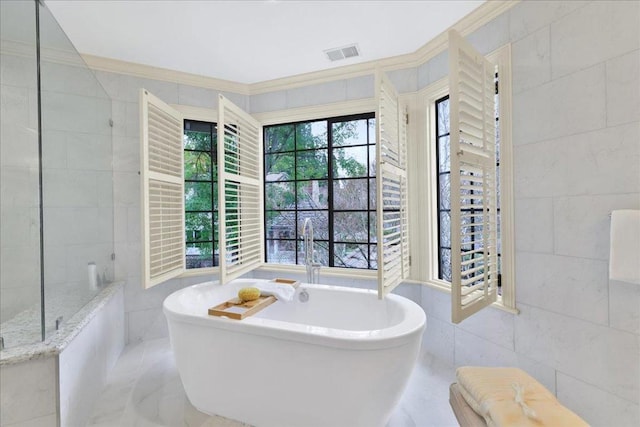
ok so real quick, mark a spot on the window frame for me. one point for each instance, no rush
(199, 114)
(330, 180)
(428, 270)
(346, 108)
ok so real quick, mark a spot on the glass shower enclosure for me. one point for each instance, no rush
(56, 198)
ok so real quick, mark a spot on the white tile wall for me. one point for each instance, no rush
(438, 339)
(19, 71)
(405, 80)
(624, 300)
(492, 35)
(531, 60)
(596, 354)
(67, 78)
(537, 211)
(323, 93)
(198, 97)
(28, 391)
(602, 162)
(529, 16)
(576, 287)
(582, 223)
(566, 106)
(95, 350)
(19, 146)
(600, 408)
(270, 101)
(623, 74)
(434, 70)
(593, 34)
(500, 332)
(360, 87)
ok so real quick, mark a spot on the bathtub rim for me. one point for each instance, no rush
(396, 335)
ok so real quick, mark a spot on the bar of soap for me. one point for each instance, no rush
(249, 294)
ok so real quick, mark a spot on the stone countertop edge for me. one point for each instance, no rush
(55, 344)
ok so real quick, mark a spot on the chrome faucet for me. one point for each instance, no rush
(313, 268)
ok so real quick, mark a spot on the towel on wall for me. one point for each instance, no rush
(624, 256)
(510, 397)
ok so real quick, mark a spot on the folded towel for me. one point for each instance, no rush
(510, 397)
(282, 291)
(625, 246)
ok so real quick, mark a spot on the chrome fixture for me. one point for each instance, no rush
(303, 296)
(313, 268)
(58, 322)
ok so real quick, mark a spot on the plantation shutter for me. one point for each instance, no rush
(163, 238)
(239, 191)
(474, 263)
(391, 178)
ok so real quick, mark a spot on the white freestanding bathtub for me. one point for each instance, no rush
(341, 359)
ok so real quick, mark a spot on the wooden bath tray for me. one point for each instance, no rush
(236, 309)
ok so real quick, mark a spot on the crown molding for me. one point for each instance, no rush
(47, 54)
(465, 26)
(100, 63)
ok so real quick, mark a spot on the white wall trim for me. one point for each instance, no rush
(474, 20)
(343, 108)
(99, 63)
(197, 113)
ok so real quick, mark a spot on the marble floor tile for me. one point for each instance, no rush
(144, 390)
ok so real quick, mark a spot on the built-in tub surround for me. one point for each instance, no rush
(342, 359)
(56, 381)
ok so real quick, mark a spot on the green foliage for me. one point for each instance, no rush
(200, 195)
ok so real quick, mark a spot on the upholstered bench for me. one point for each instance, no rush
(504, 397)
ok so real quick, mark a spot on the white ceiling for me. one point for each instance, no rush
(252, 41)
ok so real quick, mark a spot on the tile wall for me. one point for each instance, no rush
(19, 199)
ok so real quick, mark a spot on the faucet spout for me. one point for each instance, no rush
(313, 268)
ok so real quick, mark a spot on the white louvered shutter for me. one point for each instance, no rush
(239, 191)
(163, 237)
(391, 181)
(474, 260)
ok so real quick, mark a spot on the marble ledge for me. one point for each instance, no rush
(55, 344)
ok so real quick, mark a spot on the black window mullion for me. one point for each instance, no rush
(438, 179)
(330, 192)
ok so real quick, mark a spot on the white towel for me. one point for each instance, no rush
(624, 257)
(282, 291)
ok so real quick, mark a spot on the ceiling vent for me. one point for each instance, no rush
(344, 52)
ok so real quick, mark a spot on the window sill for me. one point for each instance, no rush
(446, 287)
(325, 271)
(195, 272)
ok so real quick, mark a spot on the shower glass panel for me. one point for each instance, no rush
(56, 196)
(77, 189)
(20, 292)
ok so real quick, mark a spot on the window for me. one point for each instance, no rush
(443, 165)
(324, 170)
(200, 194)
(435, 266)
